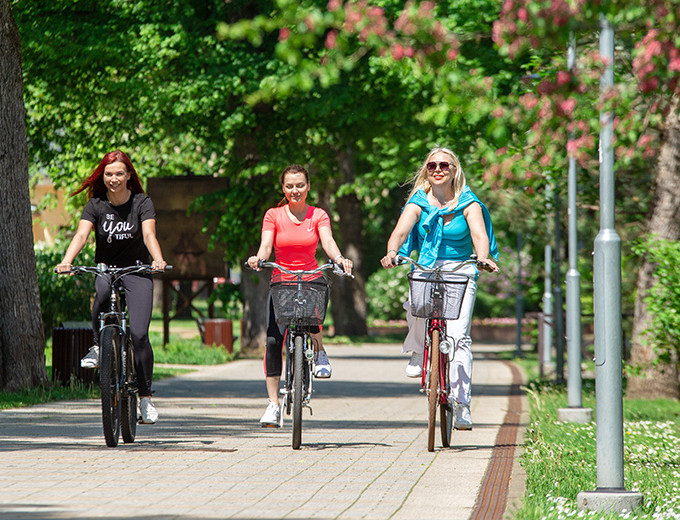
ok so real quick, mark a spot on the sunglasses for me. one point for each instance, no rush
(432, 166)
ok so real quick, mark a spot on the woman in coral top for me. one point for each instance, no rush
(293, 230)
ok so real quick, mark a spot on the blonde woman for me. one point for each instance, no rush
(446, 223)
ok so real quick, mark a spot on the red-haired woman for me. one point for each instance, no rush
(124, 221)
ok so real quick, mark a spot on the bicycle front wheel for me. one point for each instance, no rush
(298, 378)
(445, 408)
(433, 394)
(109, 384)
(128, 411)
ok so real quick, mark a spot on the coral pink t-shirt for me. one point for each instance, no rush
(295, 244)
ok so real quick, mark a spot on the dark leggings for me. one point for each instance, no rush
(273, 357)
(139, 298)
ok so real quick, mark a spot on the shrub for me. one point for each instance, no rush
(386, 291)
(62, 298)
(663, 300)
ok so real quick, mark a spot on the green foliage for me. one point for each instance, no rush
(386, 291)
(62, 297)
(663, 300)
(230, 298)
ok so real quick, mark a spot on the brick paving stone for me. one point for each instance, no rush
(363, 456)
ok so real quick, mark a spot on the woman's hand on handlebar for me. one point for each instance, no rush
(159, 265)
(488, 265)
(63, 268)
(254, 263)
(389, 260)
(346, 264)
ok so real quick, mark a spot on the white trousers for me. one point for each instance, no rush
(457, 332)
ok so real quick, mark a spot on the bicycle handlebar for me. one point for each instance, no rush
(102, 268)
(329, 265)
(399, 260)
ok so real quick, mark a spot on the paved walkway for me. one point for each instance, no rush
(364, 450)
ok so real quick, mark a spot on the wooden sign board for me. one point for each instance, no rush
(184, 244)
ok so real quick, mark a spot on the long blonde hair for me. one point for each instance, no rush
(420, 181)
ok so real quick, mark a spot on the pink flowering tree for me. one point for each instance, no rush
(558, 108)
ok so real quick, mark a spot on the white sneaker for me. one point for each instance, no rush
(322, 367)
(463, 420)
(271, 416)
(149, 413)
(91, 359)
(415, 365)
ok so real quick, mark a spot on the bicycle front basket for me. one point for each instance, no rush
(304, 307)
(436, 295)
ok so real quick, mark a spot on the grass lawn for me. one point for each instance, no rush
(560, 457)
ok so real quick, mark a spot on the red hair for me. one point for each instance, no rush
(94, 184)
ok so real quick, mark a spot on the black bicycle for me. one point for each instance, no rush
(117, 378)
(299, 304)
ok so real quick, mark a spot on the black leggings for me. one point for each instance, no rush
(273, 356)
(139, 298)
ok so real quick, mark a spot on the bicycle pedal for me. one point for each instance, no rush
(270, 425)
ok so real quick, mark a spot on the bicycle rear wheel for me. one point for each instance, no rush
(445, 408)
(433, 395)
(109, 384)
(128, 412)
(298, 378)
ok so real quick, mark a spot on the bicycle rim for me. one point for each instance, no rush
(109, 384)
(445, 409)
(128, 412)
(298, 378)
(433, 395)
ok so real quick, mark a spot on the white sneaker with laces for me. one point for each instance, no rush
(91, 359)
(463, 419)
(271, 416)
(322, 367)
(149, 413)
(415, 365)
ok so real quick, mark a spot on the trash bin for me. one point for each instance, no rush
(219, 332)
(70, 342)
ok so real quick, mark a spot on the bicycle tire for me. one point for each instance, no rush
(298, 378)
(433, 395)
(445, 409)
(109, 384)
(128, 412)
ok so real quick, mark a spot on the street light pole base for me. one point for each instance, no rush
(609, 500)
(575, 415)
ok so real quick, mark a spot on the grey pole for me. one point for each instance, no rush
(547, 309)
(558, 308)
(575, 412)
(610, 494)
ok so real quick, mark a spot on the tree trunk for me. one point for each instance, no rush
(349, 295)
(254, 288)
(659, 381)
(22, 340)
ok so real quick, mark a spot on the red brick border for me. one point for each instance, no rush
(493, 494)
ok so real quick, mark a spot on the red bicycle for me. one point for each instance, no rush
(436, 294)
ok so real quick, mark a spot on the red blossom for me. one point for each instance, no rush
(284, 33)
(397, 51)
(331, 38)
(334, 5)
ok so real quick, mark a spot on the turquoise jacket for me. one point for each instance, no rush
(434, 223)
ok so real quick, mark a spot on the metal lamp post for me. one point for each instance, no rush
(575, 412)
(610, 494)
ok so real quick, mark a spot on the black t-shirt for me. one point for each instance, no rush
(118, 229)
